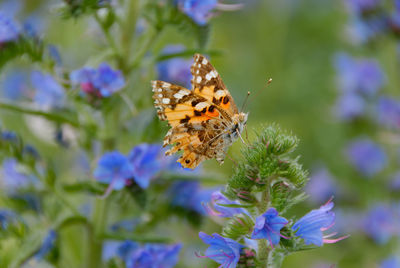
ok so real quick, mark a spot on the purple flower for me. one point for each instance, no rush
(154, 256)
(198, 10)
(389, 112)
(12, 178)
(102, 82)
(349, 106)
(311, 226)
(117, 248)
(175, 70)
(215, 208)
(224, 251)
(114, 169)
(380, 224)
(366, 156)
(268, 226)
(391, 262)
(8, 29)
(48, 92)
(14, 85)
(146, 162)
(362, 76)
(47, 245)
(321, 185)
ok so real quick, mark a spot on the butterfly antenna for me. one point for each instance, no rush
(245, 101)
(257, 93)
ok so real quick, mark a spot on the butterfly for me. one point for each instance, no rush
(204, 120)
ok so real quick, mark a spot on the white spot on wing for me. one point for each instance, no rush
(205, 61)
(160, 95)
(165, 101)
(219, 94)
(198, 79)
(209, 76)
(160, 90)
(200, 106)
(178, 95)
(184, 92)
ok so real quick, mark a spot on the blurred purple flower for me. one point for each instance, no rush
(311, 226)
(366, 156)
(224, 251)
(34, 25)
(189, 195)
(13, 179)
(362, 6)
(154, 256)
(101, 82)
(15, 86)
(47, 245)
(114, 169)
(175, 70)
(362, 76)
(391, 262)
(394, 184)
(48, 92)
(215, 208)
(388, 110)
(126, 248)
(349, 106)
(321, 186)
(8, 29)
(9, 136)
(118, 248)
(146, 162)
(380, 224)
(198, 10)
(268, 226)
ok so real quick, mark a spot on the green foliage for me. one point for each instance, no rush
(267, 163)
(77, 8)
(238, 227)
(159, 16)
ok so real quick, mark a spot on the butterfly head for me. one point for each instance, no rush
(239, 121)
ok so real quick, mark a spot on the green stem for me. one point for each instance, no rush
(108, 36)
(99, 221)
(263, 248)
(49, 116)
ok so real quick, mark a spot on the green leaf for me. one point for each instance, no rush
(89, 186)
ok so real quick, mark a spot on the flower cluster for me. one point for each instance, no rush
(100, 83)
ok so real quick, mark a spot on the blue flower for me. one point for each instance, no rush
(117, 248)
(102, 82)
(48, 92)
(391, 262)
(14, 86)
(366, 156)
(9, 31)
(311, 226)
(7, 217)
(12, 178)
(9, 136)
(215, 208)
(154, 256)
(388, 110)
(321, 185)
(224, 251)
(47, 245)
(379, 223)
(362, 6)
(146, 163)
(189, 195)
(268, 226)
(350, 106)
(198, 10)
(175, 70)
(114, 169)
(362, 76)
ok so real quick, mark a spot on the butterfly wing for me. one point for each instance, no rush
(199, 117)
(207, 83)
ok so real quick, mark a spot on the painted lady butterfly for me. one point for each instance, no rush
(204, 121)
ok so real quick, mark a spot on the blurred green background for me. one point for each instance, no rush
(292, 42)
